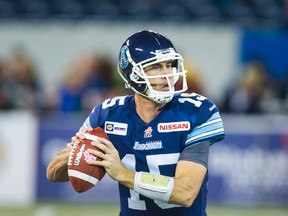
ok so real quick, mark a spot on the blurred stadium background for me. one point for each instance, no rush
(58, 59)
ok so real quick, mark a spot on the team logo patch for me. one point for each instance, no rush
(173, 126)
(123, 58)
(148, 132)
(116, 128)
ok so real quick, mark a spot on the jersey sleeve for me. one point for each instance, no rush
(209, 126)
(109, 107)
(95, 119)
(197, 154)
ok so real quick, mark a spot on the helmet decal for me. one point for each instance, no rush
(164, 51)
(123, 59)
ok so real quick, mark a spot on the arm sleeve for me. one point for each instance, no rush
(197, 153)
(95, 119)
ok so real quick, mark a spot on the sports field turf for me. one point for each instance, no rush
(84, 209)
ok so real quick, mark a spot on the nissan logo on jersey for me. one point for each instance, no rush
(174, 126)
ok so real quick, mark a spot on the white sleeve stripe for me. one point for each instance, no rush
(85, 125)
(220, 130)
(210, 122)
(83, 176)
(197, 131)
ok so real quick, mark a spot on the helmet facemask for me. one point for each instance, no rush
(140, 78)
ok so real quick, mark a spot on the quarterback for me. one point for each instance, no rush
(159, 138)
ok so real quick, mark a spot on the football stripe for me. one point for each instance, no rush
(83, 176)
(91, 137)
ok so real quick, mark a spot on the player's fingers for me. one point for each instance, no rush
(106, 142)
(70, 145)
(97, 153)
(80, 135)
(101, 146)
(92, 162)
(75, 140)
(106, 162)
(102, 163)
(87, 129)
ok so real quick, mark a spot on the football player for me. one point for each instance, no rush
(159, 138)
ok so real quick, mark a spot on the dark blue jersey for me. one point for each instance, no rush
(189, 119)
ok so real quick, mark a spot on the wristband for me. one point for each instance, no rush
(153, 186)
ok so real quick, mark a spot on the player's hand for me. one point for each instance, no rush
(111, 160)
(75, 140)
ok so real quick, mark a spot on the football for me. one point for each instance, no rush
(82, 175)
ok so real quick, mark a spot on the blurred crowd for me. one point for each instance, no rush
(19, 87)
(255, 91)
(92, 78)
(88, 80)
